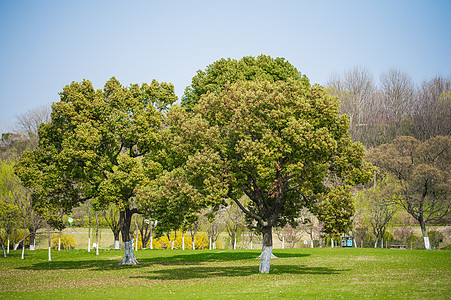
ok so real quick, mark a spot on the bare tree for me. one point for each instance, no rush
(234, 221)
(398, 90)
(111, 216)
(432, 109)
(28, 123)
(358, 94)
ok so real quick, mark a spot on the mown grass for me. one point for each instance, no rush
(165, 274)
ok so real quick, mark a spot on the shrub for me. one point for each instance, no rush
(435, 237)
(67, 242)
(200, 241)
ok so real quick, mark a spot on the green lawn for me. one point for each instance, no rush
(297, 273)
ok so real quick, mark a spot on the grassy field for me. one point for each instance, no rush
(350, 273)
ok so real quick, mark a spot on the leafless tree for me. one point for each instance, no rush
(432, 108)
(28, 123)
(398, 90)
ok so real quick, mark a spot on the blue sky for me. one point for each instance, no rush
(45, 45)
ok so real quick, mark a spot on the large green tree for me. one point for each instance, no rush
(94, 147)
(283, 144)
(423, 172)
(174, 188)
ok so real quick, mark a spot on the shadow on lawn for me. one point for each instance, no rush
(156, 258)
(233, 271)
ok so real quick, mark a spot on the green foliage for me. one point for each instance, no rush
(226, 71)
(283, 144)
(92, 146)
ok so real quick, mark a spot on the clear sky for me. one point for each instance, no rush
(47, 44)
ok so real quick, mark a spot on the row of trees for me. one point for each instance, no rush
(253, 127)
(396, 107)
(252, 135)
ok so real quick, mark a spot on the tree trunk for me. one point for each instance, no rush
(183, 240)
(125, 221)
(151, 235)
(7, 248)
(116, 239)
(24, 237)
(427, 245)
(265, 258)
(4, 252)
(32, 239)
(50, 244)
(97, 233)
(89, 237)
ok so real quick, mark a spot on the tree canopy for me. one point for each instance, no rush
(224, 71)
(94, 146)
(283, 144)
(423, 171)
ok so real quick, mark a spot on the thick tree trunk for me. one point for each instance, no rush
(125, 221)
(265, 258)
(116, 244)
(427, 245)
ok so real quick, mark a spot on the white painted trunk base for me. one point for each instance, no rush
(265, 259)
(89, 244)
(50, 253)
(427, 245)
(116, 245)
(129, 256)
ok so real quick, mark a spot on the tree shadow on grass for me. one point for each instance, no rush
(156, 258)
(216, 255)
(200, 272)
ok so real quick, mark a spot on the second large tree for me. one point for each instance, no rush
(283, 144)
